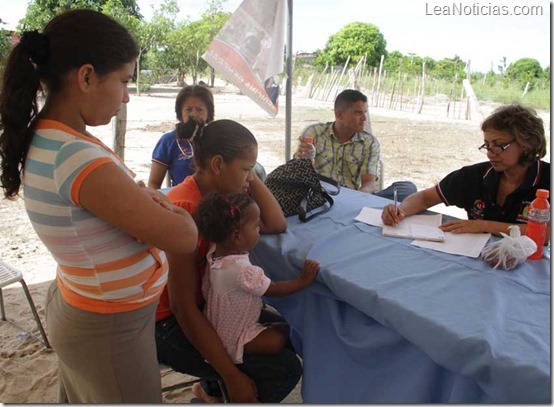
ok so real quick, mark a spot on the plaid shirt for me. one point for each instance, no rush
(347, 162)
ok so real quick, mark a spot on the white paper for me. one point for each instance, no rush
(414, 231)
(372, 216)
(464, 244)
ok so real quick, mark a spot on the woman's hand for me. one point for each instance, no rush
(392, 215)
(161, 199)
(464, 226)
(241, 389)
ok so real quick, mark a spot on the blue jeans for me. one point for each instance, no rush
(275, 375)
(403, 189)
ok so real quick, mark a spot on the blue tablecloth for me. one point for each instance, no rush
(387, 322)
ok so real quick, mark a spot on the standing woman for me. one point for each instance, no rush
(173, 152)
(225, 154)
(105, 231)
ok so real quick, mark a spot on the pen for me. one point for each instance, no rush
(395, 202)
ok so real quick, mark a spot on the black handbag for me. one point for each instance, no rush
(297, 187)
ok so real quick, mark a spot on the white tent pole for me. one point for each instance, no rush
(288, 109)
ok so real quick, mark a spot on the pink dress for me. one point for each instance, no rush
(233, 288)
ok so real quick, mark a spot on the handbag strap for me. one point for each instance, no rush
(302, 208)
(330, 181)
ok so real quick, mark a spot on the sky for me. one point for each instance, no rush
(437, 28)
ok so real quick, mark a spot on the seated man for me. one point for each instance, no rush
(347, 153)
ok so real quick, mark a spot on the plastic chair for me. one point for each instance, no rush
(380, 164)
(381, 171)
(10, 275)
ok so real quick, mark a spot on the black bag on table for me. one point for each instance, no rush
(297, 187)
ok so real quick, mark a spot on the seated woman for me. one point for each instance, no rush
(225, 154)
(173, 152)
(495, 193)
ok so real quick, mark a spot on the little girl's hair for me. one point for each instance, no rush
(218, 215)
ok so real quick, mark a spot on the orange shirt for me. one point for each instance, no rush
(187, 195)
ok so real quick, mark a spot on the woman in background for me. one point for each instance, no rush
(173, 153)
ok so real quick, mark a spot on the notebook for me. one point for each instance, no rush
(415, 232)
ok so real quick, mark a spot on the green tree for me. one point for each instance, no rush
(40, 12)
(394, 61)
(213, 21)
(414, 65)
(524, 70)
(354, 40)
(183, 46)
(177, 53)
(5, 43)
(448, 68)
(546, 73)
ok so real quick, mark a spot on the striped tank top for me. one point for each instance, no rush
(100, 267)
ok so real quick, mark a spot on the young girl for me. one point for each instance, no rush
(225, 154)
(104, 231)
(232, 286)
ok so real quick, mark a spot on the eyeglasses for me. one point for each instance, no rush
(495, 149)
(186, 148)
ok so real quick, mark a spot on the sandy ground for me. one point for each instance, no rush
(419, 147)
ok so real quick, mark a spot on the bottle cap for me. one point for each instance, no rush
(543, 193)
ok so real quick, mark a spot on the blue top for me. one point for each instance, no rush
(167, 153)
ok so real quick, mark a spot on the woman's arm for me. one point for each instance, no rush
(485, 226)
(429, 197)
(112, 195)
(411, 205)
(182, 284)
(157, 175)
(272, 219)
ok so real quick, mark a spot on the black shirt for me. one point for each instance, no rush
(475, 187)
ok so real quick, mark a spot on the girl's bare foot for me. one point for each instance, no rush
(200, 394)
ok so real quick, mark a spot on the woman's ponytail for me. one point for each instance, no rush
(19, 107)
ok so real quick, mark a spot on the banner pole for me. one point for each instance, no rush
(288, 107)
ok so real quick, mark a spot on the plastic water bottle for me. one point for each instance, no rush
(537, 219)
(311, 154)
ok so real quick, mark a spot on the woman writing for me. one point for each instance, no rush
(496, 193)
(173, 153)
(225, 153)
(104, 231)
